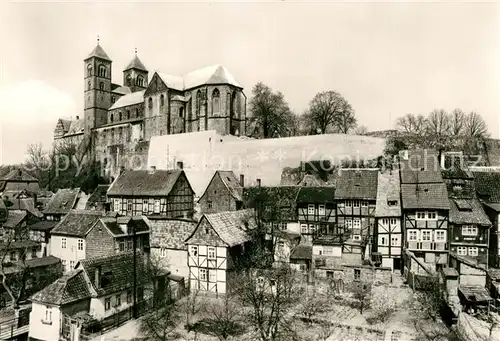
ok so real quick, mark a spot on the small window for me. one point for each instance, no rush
(420, 215)
(128, 80)
(33, 253)
(357, 274)
(426, 235)
(393, 221)
(211, 253)
(118, 300)
(130, 244)
(89, 86)
(395, 241)
(157, 206)
(303, 228)
(440, 236)
(473, 252)
(215, 101)
(383, 241)
(71, 264)
(63, 243)
(101, 85)
(364, 203)
(116, 204)
(203, 274)
(13, 256)
(145, 205)
(392, 203)
(107, 303)
(321, 210)
(412, 235)
(129, 296)
(431, 215)
(121, 245)
(113, 99)
(462, 251)
(193, 250)
(181, 112)
(310, 209)
(140, 81)
(356, 223)
(150, 103)
(128, 114)
(111, 118)
(163, 252)
(385, 221)
(348, 203)
(356, 237)
(120, 116)
(212, 275)
(80, 244)
(469, 230)
(355, 203)
(102, 71)
(48, 314)
(348, 223)
(129, 205)
(162, 101)
(209, 204)
(89, 70)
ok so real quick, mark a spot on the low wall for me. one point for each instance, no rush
(469, 328)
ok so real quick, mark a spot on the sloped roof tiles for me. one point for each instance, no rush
(144, 183)
(71, 287)
(425, 196)
(77, 223)
(62, 201)
(388, 189)
(171, 233)
(357, 184)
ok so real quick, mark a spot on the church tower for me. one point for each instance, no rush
(97, 88)
(135, 75)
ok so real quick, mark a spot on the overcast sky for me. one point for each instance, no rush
(386, 59)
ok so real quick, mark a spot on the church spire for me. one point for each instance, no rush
(135, 63)
(98, 52)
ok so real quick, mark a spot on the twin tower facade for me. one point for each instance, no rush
(118, 117)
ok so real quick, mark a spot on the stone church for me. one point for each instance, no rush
(121, 119)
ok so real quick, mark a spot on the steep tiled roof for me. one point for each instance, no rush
(230, 226)
(145, 183)
(44, 225)
(14, 218)
(388, 190)
(357, 184)
(71, 287)
(215, 74)
(20, 244)
(230, 182)
(18, 175)
(171, 233)
(488, 186)
(76, 127)
(116, 272)
(319, 195)
(98, 196)
(26, 204)
(76, 223)
(467, 211)
(422, 166)
(135, 63)
(62, 201)
(275, 203)
(302, 252)
(424, 196)
(122, 90)
(129, 99)
(98, 52)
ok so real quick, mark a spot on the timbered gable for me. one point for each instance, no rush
(205, 235)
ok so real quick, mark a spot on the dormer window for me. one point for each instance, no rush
(392, 203)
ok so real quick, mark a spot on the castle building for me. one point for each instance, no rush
(118, 117)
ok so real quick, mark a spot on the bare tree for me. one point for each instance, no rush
(475, 126)
(411, 124)
(269, 112)
(457, 122)
(383, 305)
(224, 318)
(38, 160)
(360, 130)
(160, 324)
(271, 295)
(191, 305)
(313, 304)
(329, 111)
(438, 128)
(362, 294)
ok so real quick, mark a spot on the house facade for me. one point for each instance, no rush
(88, 234)
(388, 234)
(164, 193)
(168, 247)
(223, 193)
(316, 212)
(99, 288)
(18, 180)
(356, 196)
(425, 209)
(469, 226)
(214, 247)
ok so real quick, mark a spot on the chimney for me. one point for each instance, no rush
(242, 180)
(258, 182)
(180, 165)
(97, 279)
(152, 169)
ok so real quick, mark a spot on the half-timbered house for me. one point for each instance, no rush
(469, 226)
(152, 193)
(425, 208)
(356, 195)
(316, 212)
(388, 235)
(218, 241)
(224, 193)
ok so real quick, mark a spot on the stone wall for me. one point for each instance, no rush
(217, 198)
(99, 243)
(471, 329)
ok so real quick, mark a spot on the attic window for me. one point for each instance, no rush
(207, 230)
(426, 190)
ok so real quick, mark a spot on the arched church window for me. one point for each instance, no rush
(189, 113)
(162, 100)
(215, 101)
(102, 71)
(101, 85)
(150, 103)
(198, 103)
(89, 70)
(228, 103)
(111, 118)
(88, 85)
(129, 80)
(140, 81)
